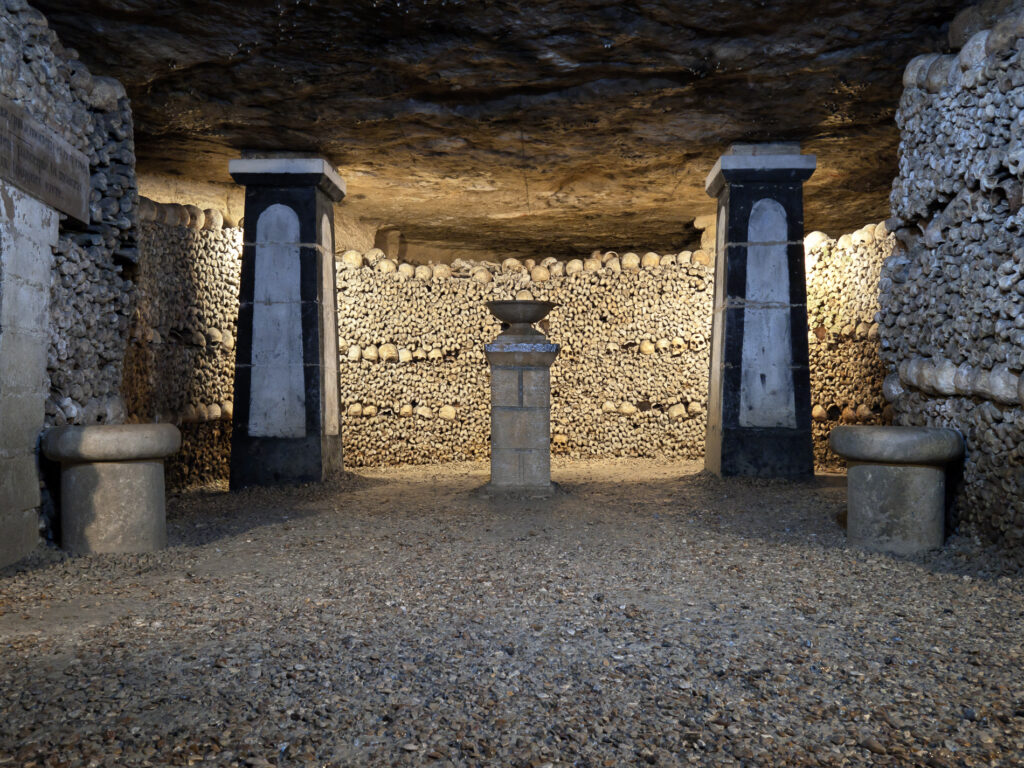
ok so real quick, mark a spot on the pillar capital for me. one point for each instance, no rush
(767, 163)
(288, 171)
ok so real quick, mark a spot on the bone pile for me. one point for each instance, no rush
(90, 297)
(180, 363)
(630, 379)
(952, 325)
(89, 307)
(846, 370)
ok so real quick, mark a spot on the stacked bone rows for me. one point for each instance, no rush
(179, 366)
(952, 324)
(842, 304)
(90, 297)
(630, 379)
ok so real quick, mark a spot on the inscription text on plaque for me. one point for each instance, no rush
(37, 161)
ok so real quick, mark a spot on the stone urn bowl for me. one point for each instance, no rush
(526, 344)
(520, 315)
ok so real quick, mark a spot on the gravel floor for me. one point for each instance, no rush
(650, 614)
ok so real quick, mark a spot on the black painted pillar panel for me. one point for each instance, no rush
(759, 403)
(286, 424)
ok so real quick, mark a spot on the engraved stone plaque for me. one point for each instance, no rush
(41, 163)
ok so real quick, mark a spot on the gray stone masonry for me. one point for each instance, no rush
(520, 360)
(896, 485)
(112, 485)
(28, 233)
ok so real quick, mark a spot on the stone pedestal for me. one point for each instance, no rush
(286, 425)
(521, 359)
(112, 485)
(759, 401)
(896, 485)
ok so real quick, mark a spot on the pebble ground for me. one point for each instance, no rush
(649, 614)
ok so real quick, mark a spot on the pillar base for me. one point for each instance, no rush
(112, 485)
(492, 491)
(896, 508)
(745, 452)
(285, 460)
(896, 485)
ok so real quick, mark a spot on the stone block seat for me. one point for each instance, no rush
(896, 485)
(112, 485)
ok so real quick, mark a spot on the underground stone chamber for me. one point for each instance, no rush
(485, 196)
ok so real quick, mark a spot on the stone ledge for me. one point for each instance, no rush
(492, 491)
(288, 171)
(111, 442)
(897, 445)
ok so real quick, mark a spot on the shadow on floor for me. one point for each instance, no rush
(205, 515)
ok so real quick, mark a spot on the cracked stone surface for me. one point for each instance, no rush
(545, 128)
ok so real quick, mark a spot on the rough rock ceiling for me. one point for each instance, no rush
(545, 127)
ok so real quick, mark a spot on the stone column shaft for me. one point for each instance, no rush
(759, 404)
(521, 413)
(286, 424)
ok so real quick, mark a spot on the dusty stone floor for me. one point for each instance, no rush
(648, 615)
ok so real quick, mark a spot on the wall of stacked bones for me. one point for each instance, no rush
(630, 380)
(179, 364)
(90, 293)
(631, 377)
(842, 315)
(952, 325)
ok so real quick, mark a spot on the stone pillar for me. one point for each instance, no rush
(759, 401)
(286, 426)
(521, 359)
(28, 234)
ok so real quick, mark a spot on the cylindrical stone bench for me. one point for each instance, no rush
(112, 485)
(896, 485)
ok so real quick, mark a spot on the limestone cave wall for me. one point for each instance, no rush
(91, 294)
(952, 330)
(180, 360)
